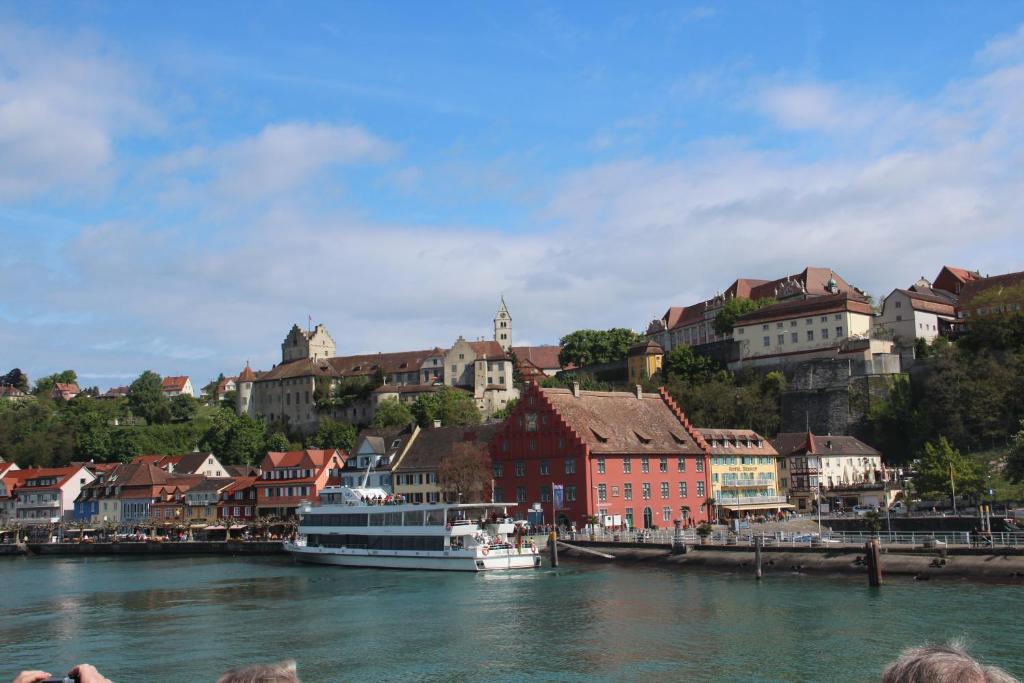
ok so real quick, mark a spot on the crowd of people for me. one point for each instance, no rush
(929, 664)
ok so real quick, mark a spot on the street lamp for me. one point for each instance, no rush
(817, 498)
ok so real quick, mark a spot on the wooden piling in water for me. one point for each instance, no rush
(553, 549)
(873, 560)
(757, 557)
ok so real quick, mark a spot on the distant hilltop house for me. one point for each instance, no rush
(176, 386)
(9, 393)
(988, 298)
(64, 391)
(925, 310)
(114, 393)
(226, 385)
(310, 370)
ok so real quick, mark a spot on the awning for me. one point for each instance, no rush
(758, 506)
(215, 528)
(235, 527)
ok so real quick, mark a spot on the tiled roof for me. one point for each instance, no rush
(619, 422)
(646, 348)
(929, 303)
(487, 349)
(799, 443)
(352, 366)
(247, 375)
(11, 392)
(174, 383)
(241, 483)
(212, 484)
(191, 463)
(69, 388)
(996, 282)
(431, 446)
(738, 440)
(811, 305)
(543, 357)
(406, 388)
(310, 458)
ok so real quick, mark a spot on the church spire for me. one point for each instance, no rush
(503, 326)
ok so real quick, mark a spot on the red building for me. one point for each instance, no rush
(291, 477)
(238, 501)
(630, 458)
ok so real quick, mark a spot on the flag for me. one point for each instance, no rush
(557, 495)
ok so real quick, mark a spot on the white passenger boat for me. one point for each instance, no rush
(352, 528)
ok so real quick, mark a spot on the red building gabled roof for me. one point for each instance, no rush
(543, 357)
(174, 383)
(315, 459)
(488, 349)
(951, 279)
(247, 375)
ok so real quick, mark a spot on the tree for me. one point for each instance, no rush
(147, 400)
(450, 406)
(15, 378)
(45, 384)
(210, 390)
(235, 439)
(465, 473)
(183, 408)
(278, 442)
(938, 464)
(681, 363)
(503, 413)
(517, 373)
(1015, 459)
(735, 307)
(333, 434)
(591, 347)
(391, 413)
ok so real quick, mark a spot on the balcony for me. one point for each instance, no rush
(752, 500)
(748, 484)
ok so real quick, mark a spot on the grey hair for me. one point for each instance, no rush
(942, 664)
(279, 672)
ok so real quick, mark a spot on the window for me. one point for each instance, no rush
(839, 333)
(782, 339)
(663, 464)
(600, 465)
(838, 316)
(545, 468)
(899, 304)
(824, 333)
(520, 494)
(810, 321)
(647, 491)
(627, 491)
(792, 323)
(682, 489)
(767, 341)
(764, 327)
(602, 492)
(824, 318)
(570, 465)
(794, 337)
(545, 494)
(666, 514)
(700, 464)
(778, 326)
(700, 489)
(810, 335)
(629, 517)
(627, 465)
(499, 470)
(570, 492)
(520, 468)
(645, 464)
(664, 490)
(499, 494)
(615, 491)
(681, 464)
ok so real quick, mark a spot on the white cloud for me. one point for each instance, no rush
(1004, 48)
(62, 99)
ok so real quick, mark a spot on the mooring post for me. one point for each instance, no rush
(757, 556)
(678, 540)
(553, 548)
(873, 559)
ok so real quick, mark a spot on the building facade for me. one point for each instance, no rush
(628, 459)
(918, 313)
(837, 471)
(48, 495)
(289, 478)
(745, 473)
(176, 386)
(644, 359)
(415, 471)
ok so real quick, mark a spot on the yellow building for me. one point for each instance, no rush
(744, 473)
(643, 361)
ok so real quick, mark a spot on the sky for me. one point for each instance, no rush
(180, 183)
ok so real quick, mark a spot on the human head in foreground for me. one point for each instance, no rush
(942, 664)
(280, 672)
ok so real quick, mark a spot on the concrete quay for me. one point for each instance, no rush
(166, 549)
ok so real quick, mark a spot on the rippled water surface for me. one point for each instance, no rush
(190, 619)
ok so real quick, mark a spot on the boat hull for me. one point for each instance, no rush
(397, 559)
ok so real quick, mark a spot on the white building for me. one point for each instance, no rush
(917, 313)
(48, 495)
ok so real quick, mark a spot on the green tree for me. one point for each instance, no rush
(45, 384)
(333, 434)
(278, 442)
(235, 439)
(147, 400)
(681, 363)
(504, 412)
(565, 380)
(183, 408)
(450, 406)
(590, 347)
(940, 468)
(1015, 459)
(735, 307)
(391, 413)
(15, 378)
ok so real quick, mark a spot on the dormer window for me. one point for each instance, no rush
(600, 437)
(643, 438)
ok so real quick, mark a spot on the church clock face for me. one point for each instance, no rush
(502, 315)
(531, 422)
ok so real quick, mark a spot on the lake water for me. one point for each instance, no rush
(188, 620)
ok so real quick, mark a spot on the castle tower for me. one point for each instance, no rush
(503, 326)
(301, 344)
(243, 389)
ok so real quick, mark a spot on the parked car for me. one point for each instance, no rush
(898, 508)
(861, 510)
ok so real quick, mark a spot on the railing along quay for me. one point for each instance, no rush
(963, 539)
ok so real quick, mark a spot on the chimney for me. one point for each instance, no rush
(576, 389)
(437, 424)
(639, 391)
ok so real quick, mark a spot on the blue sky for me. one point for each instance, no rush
(179, 184)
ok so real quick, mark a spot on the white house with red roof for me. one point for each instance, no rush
(290, 477)
(9, 480)
(176, 386)
(64, 391)
(48, 494)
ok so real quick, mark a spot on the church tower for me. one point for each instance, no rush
(503, 326)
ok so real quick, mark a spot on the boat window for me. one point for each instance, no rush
(377, 519)
(393, 518)
(435, 517)
(413, 518)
